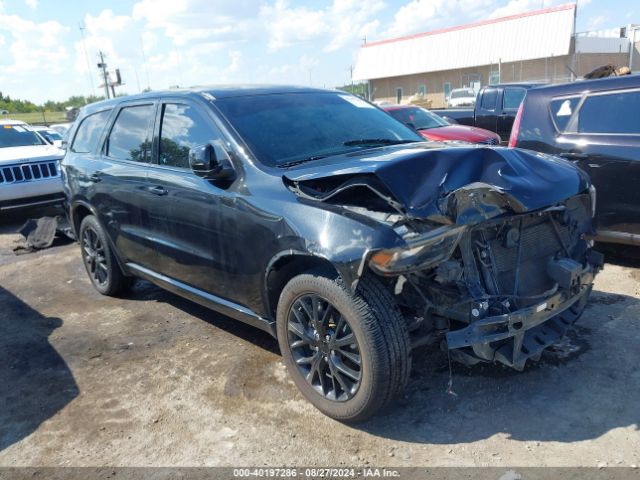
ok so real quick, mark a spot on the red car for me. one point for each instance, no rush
(435, 128)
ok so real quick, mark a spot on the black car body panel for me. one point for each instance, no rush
(554, 120)
(495, 108)
(231, 244)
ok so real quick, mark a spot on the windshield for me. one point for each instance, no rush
(463, 93)
(418, 118)
(18, 136)
(294, 127)
(52, 135)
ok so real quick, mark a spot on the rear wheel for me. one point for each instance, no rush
(99, 260)
(348, 353)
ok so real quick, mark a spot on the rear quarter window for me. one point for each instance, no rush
(513, 97)
(561, 111)
(89, 131)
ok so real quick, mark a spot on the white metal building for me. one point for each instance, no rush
(540, 45)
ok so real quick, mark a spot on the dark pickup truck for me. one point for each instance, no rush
(596, 125)
(495, 110)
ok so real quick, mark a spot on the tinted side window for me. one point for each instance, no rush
(561, 111)
(88, 132)
(129, 139)
(512, 98)
(489, 98)
(610, 113)
(182, 128)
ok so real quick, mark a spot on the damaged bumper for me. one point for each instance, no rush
(514, 338)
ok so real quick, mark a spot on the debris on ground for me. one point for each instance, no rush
(40, 233)
(607, 71)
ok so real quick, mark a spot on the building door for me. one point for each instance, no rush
(447, 91)
(398, 95)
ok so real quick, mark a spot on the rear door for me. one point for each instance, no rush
(120, 181)
(486, 108)
(603, 138)
(511, 99)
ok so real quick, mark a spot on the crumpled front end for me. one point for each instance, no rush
(495, 260)
(507, 289)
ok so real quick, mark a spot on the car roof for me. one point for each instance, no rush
(518, 84)
(211, 92)
(599, 84)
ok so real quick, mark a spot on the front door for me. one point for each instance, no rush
(193, 217)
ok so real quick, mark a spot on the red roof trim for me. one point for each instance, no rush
(559, 8)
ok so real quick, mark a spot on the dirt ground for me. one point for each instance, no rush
(154, 380)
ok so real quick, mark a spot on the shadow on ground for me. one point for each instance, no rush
(36, 381)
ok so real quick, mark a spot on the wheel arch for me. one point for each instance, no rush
(81, 209)
(286, 265)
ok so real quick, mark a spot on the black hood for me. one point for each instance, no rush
(457, 184)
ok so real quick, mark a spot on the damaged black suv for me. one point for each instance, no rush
(317, 217)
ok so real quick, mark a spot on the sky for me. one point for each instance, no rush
(164, 43)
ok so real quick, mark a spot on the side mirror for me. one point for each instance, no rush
(211, 162)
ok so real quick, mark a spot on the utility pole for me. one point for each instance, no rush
(351, 75)
(103, 66)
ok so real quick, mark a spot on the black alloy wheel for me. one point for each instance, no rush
(99, 260)
(93, 253)
(324, 347)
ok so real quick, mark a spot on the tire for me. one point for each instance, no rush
(382, 343)
(99, 261)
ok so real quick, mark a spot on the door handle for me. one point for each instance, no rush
(95, 178)
(158, 190)
(573, 155)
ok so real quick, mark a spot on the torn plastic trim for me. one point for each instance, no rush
(351, 182)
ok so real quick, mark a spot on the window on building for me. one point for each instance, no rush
(615, 113)
(129, 137)
(471, 80)
(512, 98)
(447, 90)
(422, 90)
(182, 128)
(494, 77)
(562, 110)
(489, 99)
(87, 134)
(398, 95)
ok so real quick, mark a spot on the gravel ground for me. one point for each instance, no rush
(154, 380)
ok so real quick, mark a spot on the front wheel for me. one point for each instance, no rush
(348, 353)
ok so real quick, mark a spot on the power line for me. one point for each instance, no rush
(86, 58)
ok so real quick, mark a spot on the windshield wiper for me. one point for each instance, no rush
(302, 160)
(374, 142)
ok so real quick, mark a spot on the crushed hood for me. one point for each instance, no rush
(460, 185)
